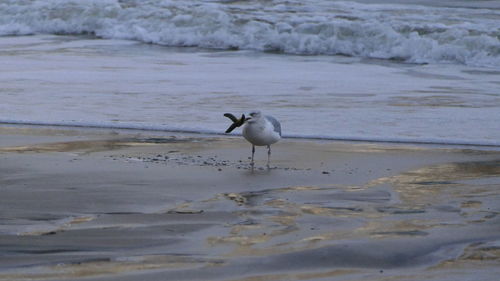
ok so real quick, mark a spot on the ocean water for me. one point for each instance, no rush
(405, 71)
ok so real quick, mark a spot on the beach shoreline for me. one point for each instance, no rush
(114, 165)
(71, 80)
(127, 205)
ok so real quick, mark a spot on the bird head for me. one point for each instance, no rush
(253, 116)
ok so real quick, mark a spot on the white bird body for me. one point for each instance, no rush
(261, 130)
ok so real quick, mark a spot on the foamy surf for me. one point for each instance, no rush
(170, 129)
(408, 33)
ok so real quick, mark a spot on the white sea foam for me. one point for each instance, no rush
(407, 33)
(491, 144)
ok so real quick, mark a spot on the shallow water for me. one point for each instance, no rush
(86, 81)
(405, 71)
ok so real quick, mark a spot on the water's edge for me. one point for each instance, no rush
(442, 142)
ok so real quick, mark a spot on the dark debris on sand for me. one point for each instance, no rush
(174, 157)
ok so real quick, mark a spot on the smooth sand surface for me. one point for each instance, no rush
(81, 204)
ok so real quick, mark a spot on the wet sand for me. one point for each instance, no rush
(130, 205)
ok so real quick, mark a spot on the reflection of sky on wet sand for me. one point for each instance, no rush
(433, 184)
(441, 217)
(425, 202)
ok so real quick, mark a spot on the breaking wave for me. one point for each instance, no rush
(407, 33)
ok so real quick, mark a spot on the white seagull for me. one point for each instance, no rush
(261, 130)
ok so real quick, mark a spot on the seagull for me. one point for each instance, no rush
(261, 130)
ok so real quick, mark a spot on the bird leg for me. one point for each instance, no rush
(268, 156)
(253, 153)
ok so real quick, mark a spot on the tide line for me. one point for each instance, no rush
(495, 144)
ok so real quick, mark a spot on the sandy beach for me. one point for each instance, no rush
(88, 204)
(113, 165)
